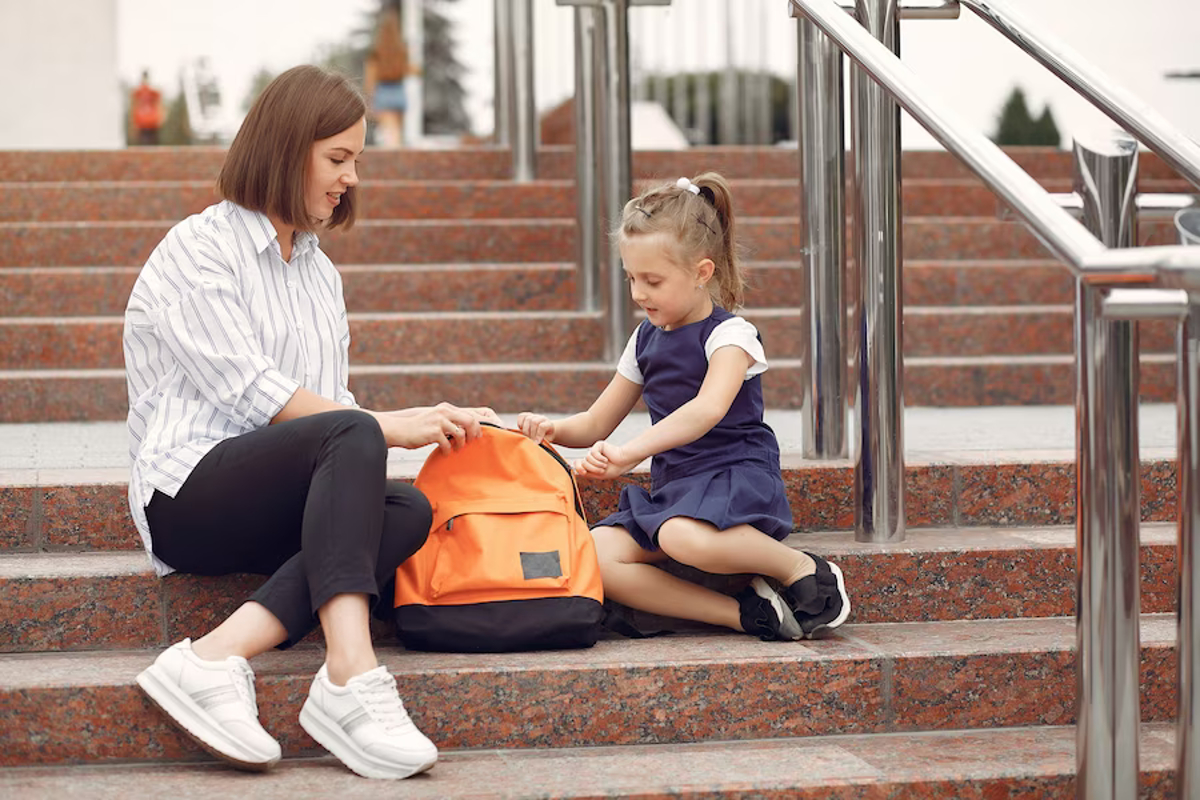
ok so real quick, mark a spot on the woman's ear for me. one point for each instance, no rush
(704, 270)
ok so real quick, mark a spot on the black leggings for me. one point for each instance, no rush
(306, 502)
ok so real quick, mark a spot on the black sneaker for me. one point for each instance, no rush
(764, 613)
(819, 601)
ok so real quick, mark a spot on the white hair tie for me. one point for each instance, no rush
(687, 186)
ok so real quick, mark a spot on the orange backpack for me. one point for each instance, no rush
(509, 563)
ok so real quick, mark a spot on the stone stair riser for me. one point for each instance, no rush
(416, 242)
(95, 516)
(489, 163)
(162, 201)
(104, 291)
(122, 611)
(85, 344)
(861, 692)
(64, 397)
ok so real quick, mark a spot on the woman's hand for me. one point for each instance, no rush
(445, 425)
(605, 461)
(536, 427)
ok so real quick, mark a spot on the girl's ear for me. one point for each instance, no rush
(704, 270)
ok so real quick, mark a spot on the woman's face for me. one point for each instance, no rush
(332, 169)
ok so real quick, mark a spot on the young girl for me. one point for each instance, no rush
(717, 500)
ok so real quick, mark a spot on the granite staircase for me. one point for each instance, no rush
(954, 677)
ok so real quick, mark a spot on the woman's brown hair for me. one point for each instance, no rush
(389, 51)
(699, 226)
(266, 168)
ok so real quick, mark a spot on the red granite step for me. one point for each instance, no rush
(938, 765)
(112, 600)
(45, 395)
(104, 291)
(440, 241)
(491, 163)
(65, 201)
(74, 510)
(883, 678)
(33, 343)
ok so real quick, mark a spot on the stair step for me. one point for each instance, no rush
(113, 600)
(383, 288)
(57, 343)
(511, 240)
(71, 201)
(493, 163)
(100, 395)
(882, 678)
(969, 765)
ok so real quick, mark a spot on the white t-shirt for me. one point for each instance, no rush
(734, 331)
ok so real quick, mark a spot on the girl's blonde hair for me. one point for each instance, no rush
(699, 226)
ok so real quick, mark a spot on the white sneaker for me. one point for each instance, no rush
(365, 725)
(213, 702)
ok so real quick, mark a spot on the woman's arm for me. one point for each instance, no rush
(722, 382)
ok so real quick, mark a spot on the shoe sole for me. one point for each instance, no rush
(789, 628)
(845, 612)
(191, 719)
(330, 735)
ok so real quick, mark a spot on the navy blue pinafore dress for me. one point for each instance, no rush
(731, 475)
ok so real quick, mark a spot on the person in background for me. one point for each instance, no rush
(251, 455)
(387, 67)
(146, 110)
(717, 500)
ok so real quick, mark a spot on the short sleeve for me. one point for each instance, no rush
(738, 332)
(627, 366)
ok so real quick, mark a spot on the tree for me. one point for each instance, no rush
(1017, 126)
(259, 82)
(441, 74)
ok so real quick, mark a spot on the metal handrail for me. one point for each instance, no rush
(1142, 122)
(1064, 236)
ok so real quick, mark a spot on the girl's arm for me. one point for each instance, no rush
(588, 427)
(722, 382)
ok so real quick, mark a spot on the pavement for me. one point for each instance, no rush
(99, 450)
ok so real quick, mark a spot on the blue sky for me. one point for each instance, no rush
(969, 65)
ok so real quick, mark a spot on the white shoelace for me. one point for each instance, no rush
(381, 699)
(243, 682)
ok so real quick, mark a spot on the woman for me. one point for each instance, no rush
(386, 68)
(249, 453)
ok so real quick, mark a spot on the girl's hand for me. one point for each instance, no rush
(536, 427)
(447, 426)
(604, 461)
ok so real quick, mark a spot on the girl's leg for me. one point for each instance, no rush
(630, 577)
(729, 552)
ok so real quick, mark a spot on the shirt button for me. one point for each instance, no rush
(291, 284)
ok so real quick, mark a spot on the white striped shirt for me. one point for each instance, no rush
(219, 334)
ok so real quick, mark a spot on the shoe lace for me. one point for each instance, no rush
(243, 682)
(381, 699)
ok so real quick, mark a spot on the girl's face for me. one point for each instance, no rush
(332, 169)
(666, 291)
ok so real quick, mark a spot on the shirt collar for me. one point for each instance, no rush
(262, 232)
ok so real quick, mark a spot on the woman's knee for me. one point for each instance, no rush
(356, 432)
(406, 522)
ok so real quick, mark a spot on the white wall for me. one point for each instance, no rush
(58, 75)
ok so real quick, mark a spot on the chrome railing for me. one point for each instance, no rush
(1101, 254)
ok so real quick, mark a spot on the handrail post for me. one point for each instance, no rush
(879, 398)
(1108, 513)
(1187, 773)
(823, 400)
(516, 113)
(590, 62)
(604, 157)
